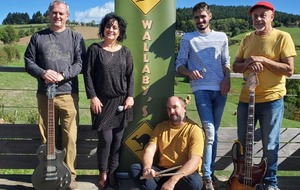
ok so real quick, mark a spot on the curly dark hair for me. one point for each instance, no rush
(108, 20)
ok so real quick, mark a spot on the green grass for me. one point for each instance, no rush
(218, 173)
(30, 171)
(12, 100)
(25, 101)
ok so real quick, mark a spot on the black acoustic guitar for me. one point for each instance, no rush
(51, 173)
(246, 175)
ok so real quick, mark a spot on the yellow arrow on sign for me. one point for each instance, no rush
(145, 5)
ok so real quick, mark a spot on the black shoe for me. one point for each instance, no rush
(112, 180)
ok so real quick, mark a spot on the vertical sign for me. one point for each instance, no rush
(151, 39)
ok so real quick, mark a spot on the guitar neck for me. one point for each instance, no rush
(51, 129)
(250, 133)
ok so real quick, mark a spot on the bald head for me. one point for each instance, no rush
(176, 109)
(176, 98)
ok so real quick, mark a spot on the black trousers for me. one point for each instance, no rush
(109, 148)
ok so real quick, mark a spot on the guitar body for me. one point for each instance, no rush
(56, 177)
(236, 180)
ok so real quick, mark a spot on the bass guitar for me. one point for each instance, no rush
(51, 173)
(246, 175)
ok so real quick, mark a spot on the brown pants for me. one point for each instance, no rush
(66, 114)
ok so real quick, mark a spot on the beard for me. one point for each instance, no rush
(175, 118)
(202, 27)
(259, 28)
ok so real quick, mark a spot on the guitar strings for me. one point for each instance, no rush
(249, 139)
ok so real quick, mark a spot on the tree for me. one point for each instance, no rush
(8, 35)
(9, 53)
(226, 16)
(38, 18)
(16, 18)
(230, 25)
(21, 33)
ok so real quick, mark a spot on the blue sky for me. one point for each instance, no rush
(88, 10)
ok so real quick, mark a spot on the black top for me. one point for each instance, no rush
(59, 51)
(108, 74)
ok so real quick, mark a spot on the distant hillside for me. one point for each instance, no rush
(184, 21)
(238, 12)
(87, 33)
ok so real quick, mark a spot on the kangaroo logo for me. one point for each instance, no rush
(142, 140)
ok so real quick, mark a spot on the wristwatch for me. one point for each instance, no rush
(63, 74)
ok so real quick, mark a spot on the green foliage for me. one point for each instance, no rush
(190, 26)
(294, 92)
(21, 33)
(177, 42)
(289, 110)
(32, 30)
(8, 35)
(8, 54)
(3, 57)
(16, 18)
(7, 117)
(230, 25)
(12, 53)
(235, 12)
(32, 117)
(38, 18)
(23, 18)
(28, 30)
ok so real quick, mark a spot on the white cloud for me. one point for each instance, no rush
(95, 13)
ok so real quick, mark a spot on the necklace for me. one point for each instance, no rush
(110, 48)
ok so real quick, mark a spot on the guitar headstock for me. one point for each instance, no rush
(252, 81)
(51, 91)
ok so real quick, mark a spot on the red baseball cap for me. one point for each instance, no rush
(261, 4)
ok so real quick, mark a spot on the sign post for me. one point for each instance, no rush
(151, 39)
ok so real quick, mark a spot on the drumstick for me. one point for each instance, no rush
(161, 173)
(170, 169)
(169, 174)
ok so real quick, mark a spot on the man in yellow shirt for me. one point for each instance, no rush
(178, 141)
(269, 53)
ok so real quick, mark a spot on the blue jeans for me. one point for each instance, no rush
(190, 182)
(269, 115)
(210, 106)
